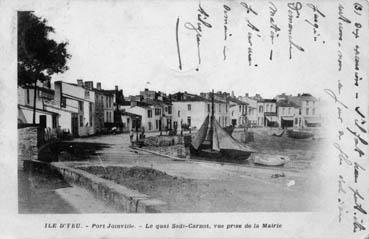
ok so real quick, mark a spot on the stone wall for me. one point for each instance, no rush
(163, 140)
(167, 145)
(177, 150)
(27, 144)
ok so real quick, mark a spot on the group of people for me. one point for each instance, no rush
(140, 136)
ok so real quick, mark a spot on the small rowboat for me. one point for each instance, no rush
(270, 159)
(299, 134)
(280, 134)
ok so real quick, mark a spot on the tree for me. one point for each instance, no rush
(38, 56)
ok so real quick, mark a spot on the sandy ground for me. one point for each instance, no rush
(202, 186)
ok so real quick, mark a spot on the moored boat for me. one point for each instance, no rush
(299, 134)
(212, 140)
(270, 159)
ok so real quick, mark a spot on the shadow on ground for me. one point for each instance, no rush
(70, 151)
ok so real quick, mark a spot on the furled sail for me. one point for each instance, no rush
(201, 134)
(218, 136)
(222, 140)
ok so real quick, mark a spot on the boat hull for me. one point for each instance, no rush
(299, 134)
(270, 160)
(223, 154)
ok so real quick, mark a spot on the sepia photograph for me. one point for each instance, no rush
(88, 147)
(186, 119)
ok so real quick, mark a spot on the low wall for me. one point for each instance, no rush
(27, 144)
(163, 140)
(178, 150)
(118, 196)
(172, 146)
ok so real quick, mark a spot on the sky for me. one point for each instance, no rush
(132, 44)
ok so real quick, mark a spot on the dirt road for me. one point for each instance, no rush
(212, 186)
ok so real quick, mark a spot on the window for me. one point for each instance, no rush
(54, 119)
(80, 106)
(170, 109)
(156, 124)
(149, 113)
(296, 121)
(189, 107)
(239, 108)
(106, 102)
(157, 111)
(87, 94)
(313, 111)
(150, 126)
(27, 92)
(179, 113)
(232, 113)
(189, 120)
(110, 100)
(63, 102)
(165, 109)
(90, 111)
(307, 111)
(208, 108)
(81, 120)
(260, 109)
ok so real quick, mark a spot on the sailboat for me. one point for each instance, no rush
(212, 141)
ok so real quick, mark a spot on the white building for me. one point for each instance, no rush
(152, 115)
(191, 110)
(288, 114)
(43, 116)
(309, 114)
(75, 104)
(252, 107)
(267, 112)
(237, 111)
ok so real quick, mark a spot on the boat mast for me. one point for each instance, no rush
(211, 119)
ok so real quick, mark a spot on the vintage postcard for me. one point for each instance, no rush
(184, 119)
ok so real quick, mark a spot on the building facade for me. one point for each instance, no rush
(44, 97)
(76, 104)
(238, 112)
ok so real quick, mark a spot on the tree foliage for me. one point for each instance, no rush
(38, 56)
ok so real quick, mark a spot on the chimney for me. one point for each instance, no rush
(247, 94)
(298, 94)
(80, 82)
(98, 85)
(89, 85)
(116, 88)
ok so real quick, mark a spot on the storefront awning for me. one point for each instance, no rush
(272, 118)
(287, 118)
(313, 120)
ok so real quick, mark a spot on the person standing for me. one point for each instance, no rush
(131, 136)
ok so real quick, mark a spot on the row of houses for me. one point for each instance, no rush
(184, 110)
(76, 109)
(81, 109)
